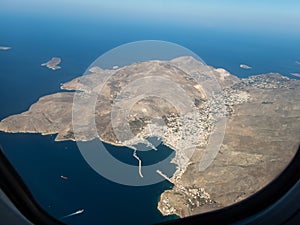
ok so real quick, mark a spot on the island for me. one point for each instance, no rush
(295, 74)
(244, 66)
(260, 138)
(5, 48)
(53, 63)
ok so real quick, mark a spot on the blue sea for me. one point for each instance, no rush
(78, 41)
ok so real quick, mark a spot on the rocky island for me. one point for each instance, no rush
(53, 63)
(5, 48)
(244, 66)
(260, 138)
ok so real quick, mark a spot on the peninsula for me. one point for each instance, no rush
(261, 135)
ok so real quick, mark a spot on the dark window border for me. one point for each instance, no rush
(16, 190)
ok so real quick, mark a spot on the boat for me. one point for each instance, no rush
(80, 211)
(73, 214)
(64, 177)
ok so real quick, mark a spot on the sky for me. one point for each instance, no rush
(282, 15)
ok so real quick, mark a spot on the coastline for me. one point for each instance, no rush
(188, 193)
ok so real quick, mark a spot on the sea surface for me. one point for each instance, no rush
(41, 161)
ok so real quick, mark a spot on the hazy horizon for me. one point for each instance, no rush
(262, 16)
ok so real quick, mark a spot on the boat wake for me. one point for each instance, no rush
(73, 214)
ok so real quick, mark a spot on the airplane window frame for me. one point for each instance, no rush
(13, 186)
